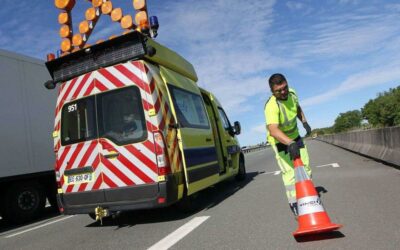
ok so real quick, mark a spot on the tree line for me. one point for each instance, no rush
(383, 111)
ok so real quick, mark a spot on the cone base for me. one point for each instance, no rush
(317, 229)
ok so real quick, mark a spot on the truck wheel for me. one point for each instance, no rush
(24, 202)
(241, 175)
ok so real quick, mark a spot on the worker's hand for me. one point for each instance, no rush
(307, 128)
(294, 150)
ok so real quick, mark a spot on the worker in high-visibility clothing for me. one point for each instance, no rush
(281, 112)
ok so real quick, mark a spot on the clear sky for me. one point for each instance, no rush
(337, 54)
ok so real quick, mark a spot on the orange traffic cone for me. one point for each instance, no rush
(312, 216)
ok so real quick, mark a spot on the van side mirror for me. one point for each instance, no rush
(237, 127)
(49, 84)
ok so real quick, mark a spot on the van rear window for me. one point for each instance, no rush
(121, 116)
(78, 121)
(116, 115)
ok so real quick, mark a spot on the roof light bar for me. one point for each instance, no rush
(75, 41)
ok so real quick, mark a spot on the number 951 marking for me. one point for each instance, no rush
(72, 107)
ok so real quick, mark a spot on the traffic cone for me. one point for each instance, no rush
(312, 217)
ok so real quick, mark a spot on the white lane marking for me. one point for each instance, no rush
(334, 165)
(273, 172)
(178, 234)
(37, 227)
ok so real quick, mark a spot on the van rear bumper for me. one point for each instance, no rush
(121, 199)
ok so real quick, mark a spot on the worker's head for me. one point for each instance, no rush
(279, 86)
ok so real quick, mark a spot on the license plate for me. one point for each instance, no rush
(78, 178)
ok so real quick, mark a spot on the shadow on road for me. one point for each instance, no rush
(321, 236)
(48, 213)
(206, 199)
(321, 190)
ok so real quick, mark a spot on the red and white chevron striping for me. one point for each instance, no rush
(136, 163)
(164, 116)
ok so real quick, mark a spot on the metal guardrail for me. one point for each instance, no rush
(254, 148)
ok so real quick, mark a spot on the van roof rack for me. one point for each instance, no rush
(120, 49)
(131, 46)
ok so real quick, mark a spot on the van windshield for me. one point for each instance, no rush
(116, 115)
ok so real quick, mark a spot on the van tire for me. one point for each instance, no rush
(52, 196)
(241, 175)
(92, 215)
(53, 203)
(25, 201)
(188, 204)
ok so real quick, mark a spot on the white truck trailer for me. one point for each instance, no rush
(26, 123)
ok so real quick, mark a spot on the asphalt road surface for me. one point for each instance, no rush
(358, 192)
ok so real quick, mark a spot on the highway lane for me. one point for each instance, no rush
(358, 192)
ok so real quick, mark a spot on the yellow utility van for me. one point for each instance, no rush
(133, 130)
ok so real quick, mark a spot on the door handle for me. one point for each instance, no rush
(208, 139)
(112, 154)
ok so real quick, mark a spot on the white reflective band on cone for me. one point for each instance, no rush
(309, 205)
(301, 174)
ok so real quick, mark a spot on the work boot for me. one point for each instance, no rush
(293, 207)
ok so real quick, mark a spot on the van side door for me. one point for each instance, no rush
(195, 136)
(218, 131)
(229, 140)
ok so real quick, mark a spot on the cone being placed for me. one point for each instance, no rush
(312, 216)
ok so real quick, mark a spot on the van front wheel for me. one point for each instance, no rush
(241, 175)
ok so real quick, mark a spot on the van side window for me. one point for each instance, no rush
(189, 108)
(224, 119)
